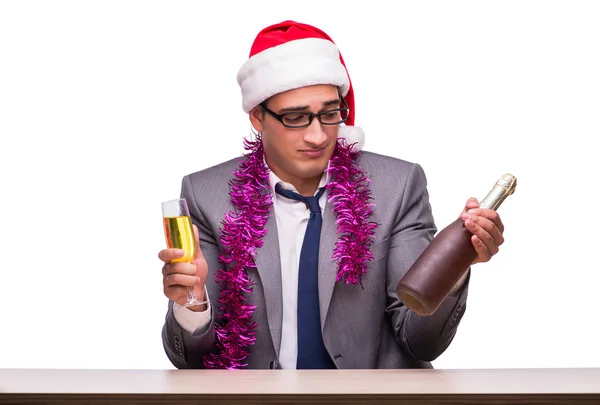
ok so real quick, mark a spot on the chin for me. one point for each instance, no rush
(313, 170)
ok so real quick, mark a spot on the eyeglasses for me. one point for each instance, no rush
(304, 119)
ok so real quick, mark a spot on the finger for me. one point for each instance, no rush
(179, 268)
(199, 254)
(473, 225)
(483, 254)
(489, 214)
(177, 294)
(489, 227)
(181, 280)
(166, 255)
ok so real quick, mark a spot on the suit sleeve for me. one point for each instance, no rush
(421, 337)
(185, 349)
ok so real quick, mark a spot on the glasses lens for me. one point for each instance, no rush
(296, 119)
(332, 117)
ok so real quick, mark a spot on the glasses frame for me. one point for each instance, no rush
(311, 116)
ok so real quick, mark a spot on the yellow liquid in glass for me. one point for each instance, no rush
(179, 235)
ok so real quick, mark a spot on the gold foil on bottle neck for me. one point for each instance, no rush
(504, 187)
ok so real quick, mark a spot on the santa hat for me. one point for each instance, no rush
(290, 55)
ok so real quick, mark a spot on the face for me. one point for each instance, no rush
(298, 155)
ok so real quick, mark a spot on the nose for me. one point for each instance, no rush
(314, 134)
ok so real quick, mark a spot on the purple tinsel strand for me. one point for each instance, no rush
(241, 235)
(244, 229)
(350, 197)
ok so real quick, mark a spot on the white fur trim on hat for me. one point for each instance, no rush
(352, 135)
(294, 64)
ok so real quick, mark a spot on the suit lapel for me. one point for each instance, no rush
(268, 265)
(327, 266)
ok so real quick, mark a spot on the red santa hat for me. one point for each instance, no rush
(290, 55)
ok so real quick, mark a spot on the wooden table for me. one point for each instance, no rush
(148, 387)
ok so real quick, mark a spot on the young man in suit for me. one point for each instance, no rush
(302, 242)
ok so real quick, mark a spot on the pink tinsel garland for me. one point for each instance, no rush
(243, 231)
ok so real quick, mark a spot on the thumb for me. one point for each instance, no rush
(470, 204)
(201, 266)
(198, 254)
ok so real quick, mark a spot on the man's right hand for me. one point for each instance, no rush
(177, 277)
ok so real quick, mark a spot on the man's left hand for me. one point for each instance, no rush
(487, 229)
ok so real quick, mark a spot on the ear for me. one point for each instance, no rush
(256, 118)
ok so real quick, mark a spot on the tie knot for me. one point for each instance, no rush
(312, 203)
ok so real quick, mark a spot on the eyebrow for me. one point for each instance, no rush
(306, 107)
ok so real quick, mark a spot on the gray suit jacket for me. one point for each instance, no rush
(362, 328)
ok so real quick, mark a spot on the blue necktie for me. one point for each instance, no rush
(311, 350)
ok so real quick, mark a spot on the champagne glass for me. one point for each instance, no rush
(180, 235)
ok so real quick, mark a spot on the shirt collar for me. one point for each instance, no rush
(274, 179)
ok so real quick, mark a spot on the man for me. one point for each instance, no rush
(302, 242)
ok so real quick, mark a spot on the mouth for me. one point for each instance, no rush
(313, 152)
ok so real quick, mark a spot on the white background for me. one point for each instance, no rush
(105, 105)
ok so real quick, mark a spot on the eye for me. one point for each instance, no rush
(295, 118)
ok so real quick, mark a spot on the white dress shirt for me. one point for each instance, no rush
(292, 218)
